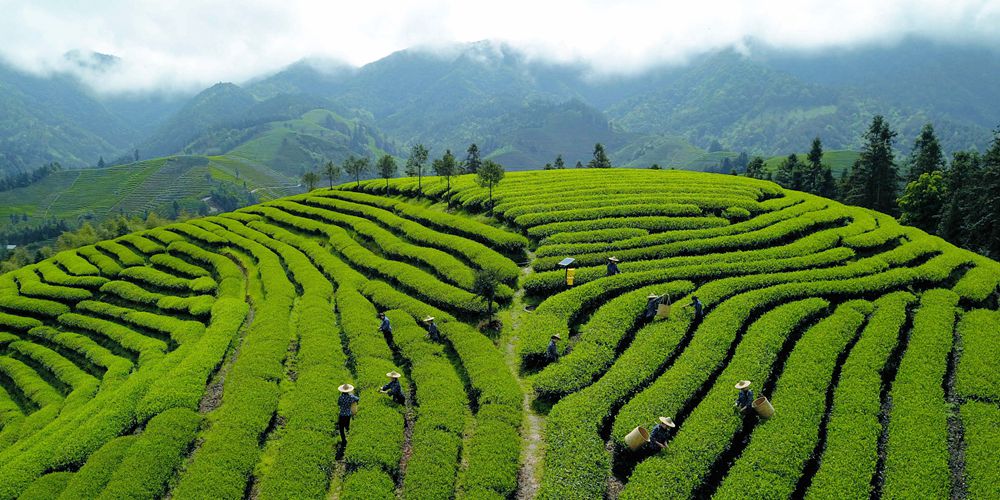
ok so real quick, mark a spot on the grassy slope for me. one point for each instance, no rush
(839, 161)
(134, 188)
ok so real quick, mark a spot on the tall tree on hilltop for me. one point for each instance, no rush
(472, 161)
(559, 163)
(755, 169)
(600, 159)
(415, 165)
(356, 167)
(984, 216)
(489, 175)
(920, 205)
(331, 171)
(959, 185)
(814, 168)
(926, 156)
(446, 167)
(873, 179)
(579, 164)
(310, 179)
(386, 169)
(100, 162)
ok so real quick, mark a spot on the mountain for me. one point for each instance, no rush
(56, 118)
(219, 104)
(519, 110)
(51, 119)
(765, 102)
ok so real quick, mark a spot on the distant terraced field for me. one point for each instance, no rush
(201, 359)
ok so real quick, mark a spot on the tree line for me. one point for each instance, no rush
(958, 200)
(23, 179)
(488, 173)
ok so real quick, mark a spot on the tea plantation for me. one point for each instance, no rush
(202, 359)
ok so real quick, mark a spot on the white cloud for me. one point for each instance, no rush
(185, 44)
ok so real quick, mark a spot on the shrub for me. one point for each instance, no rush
(171, 263)
(48, 486)
(151, 460)
(916, 461)
(90, 480)
(980, 421)
(848, 461)
(977, 376)
(597, 345)
(779, 448)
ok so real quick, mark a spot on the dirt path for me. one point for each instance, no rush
(408, 421)
(532, 449)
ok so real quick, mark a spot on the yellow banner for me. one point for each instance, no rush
(569, 276)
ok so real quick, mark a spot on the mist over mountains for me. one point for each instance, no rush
(521, 111)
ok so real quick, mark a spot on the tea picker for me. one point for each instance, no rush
(652, 301)
(384, 327)
(744, 399)
(661, 433)
(552, 353)
(432, 329)
(347, 403)
(613, 266)
(698, 307)
(393, 388)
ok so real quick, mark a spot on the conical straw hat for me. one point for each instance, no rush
(667, 421)
(346, 388)
(743, 384)
(392, 375)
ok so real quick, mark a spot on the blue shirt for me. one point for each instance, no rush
(553, 351)
(659, 434)
(744, 398)
(651, 306)
(395, 390)
(345, 401)
(612, 269)
(697, 307)
(385, 327)
(432, 330)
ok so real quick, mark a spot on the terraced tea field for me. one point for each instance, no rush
(202, 359)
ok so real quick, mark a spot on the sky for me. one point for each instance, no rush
(188, 44)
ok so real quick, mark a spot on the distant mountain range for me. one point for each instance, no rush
(520, 112)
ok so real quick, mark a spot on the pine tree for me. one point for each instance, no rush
(600, 159)
(579, 164)
(100, 162)
(873, 179)
(959, 183)
(472, 161)
(926, 156)
(984, 214)
(814, 171)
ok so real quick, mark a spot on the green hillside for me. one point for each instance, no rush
(839, 161)
(139, 188)
(202, 359)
